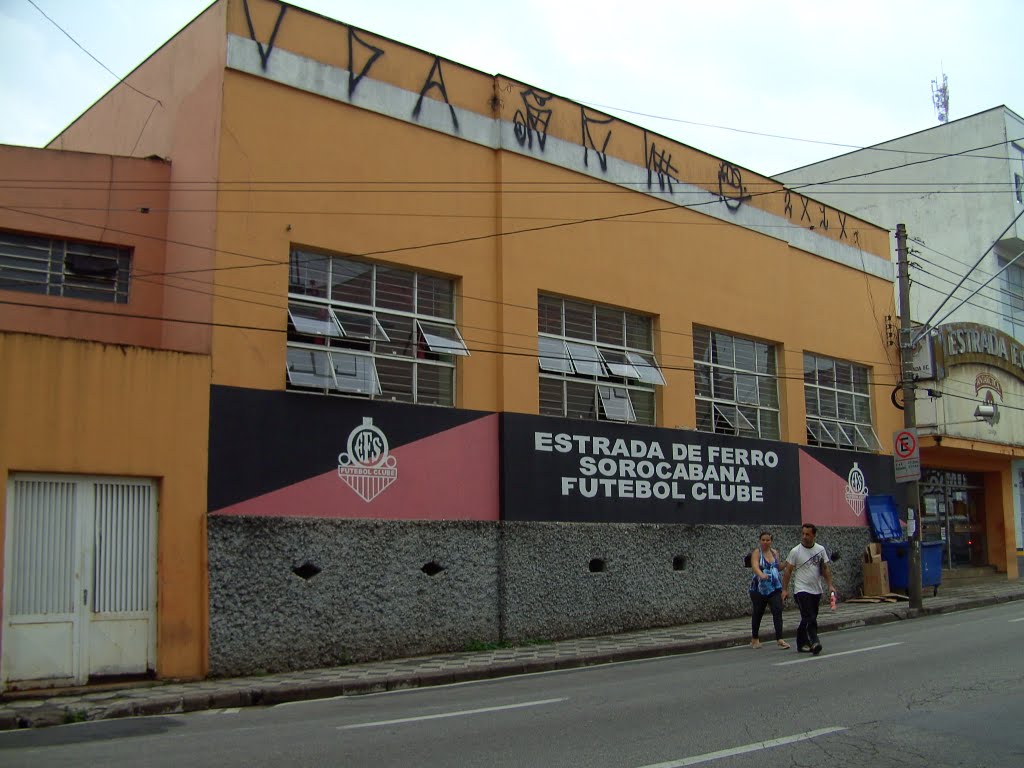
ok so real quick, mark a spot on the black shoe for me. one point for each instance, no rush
(816, 649)
(805, 649)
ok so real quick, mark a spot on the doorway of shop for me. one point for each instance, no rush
(953, 512)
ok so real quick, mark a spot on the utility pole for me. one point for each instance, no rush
(909, 417)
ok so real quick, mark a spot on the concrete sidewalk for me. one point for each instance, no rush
(43, 708)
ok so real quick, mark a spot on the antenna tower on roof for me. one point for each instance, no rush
(940, 98)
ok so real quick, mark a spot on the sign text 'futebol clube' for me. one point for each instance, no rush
(366, 467)
(642, 469)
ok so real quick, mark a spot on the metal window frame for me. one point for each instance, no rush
(709, 344)
(442, 345)
(366, 373)
(832, 430)
(586, 359)
(649, 371)
(376, 334)
(313, 327)
(550, 362)
(624, 369)
(607, 394)
(574, 361)
(313, 379)
(50, 258)
(448, 342)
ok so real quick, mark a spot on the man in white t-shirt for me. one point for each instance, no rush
(807, 565)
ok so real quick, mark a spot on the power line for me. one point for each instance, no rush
(529, 353)
(876, 148)
(672, 206)
(972, 284)
(179, 274)
(856, 147)
(942, 292)
(927, 323)
(266, 261)
(961, 153)
(119, 79)
(611, 186)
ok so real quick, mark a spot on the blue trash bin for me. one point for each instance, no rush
(897, 554)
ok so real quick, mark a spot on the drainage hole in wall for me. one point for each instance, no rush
(306, 571)
(678, 562)
(597, 565)
(432, 568)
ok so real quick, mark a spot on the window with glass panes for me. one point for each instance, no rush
(1013, 288)
(68, 268)
(838, 402)
(737, 389)
(361, 329)
(596, 362)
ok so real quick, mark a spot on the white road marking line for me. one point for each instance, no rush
(709, 756)
(231, 711)
(1020, 619)
(833, 655)
(459, 713)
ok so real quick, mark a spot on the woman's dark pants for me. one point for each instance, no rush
(760, 602)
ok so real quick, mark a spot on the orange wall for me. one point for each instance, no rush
(97, 199)
(686, 269)
(1000, 544)
(169, 106)
(89, 408)
(394, 191)
(398, 192)
(327, 41)
(273, 132)
(436, 211)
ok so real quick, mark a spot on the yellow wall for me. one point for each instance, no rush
(97, 409)
(442, 199)
(999, 524)
(272, 132)
(327, 41)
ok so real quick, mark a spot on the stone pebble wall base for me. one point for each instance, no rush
(372, 597)
(302, 593)
(646, 575)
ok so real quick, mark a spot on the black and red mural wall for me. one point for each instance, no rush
(281, 454)
(582, 471)
(833, 485)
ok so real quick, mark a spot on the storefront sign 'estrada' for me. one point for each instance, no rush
(966, 343)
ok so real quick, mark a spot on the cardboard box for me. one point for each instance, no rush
(876, 578)
(873, 552)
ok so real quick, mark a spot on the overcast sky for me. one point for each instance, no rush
(829, 76)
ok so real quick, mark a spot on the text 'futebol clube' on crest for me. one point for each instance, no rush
(366, 467)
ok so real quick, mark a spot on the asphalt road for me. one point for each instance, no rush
(939, 691)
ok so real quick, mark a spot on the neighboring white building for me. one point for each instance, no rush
(959, 189)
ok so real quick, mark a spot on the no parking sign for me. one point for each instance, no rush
(907, 455)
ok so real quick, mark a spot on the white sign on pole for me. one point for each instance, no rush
(906, 455)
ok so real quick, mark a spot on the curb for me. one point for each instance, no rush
(143, 702)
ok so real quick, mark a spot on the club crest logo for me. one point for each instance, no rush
(366, 467)
(856, 490)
